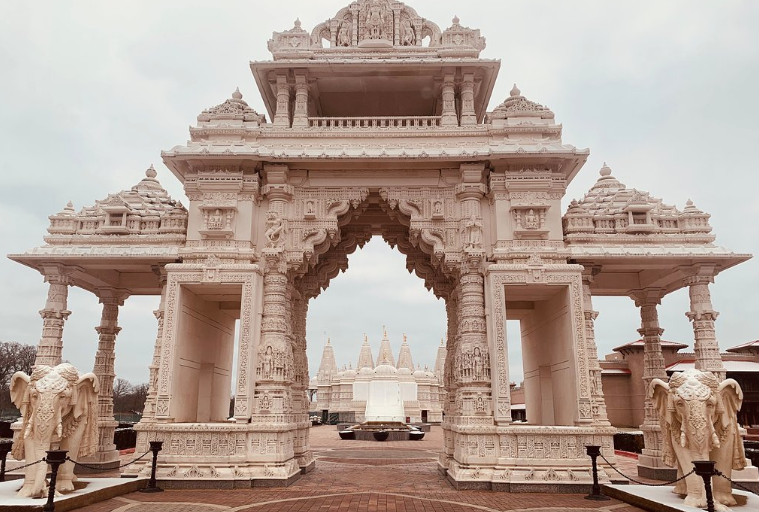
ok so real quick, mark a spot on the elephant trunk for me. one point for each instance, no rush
(39, 490)
(697, 430)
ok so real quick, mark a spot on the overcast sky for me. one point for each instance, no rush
(91, 92)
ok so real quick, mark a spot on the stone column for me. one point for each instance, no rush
(300, 112)
(702, 315)
(598, 403)
(468, 116)
(107, 456)
(53, 316)
(448, 112)
(649, 463)
(282, 114)
(148, 413)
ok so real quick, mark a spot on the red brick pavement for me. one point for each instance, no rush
(360, 476)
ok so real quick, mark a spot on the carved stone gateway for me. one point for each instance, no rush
(472, 198)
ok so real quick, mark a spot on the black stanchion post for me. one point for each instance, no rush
(705, 469)
(5, 447)
(155, 447)
(595, 492)
(55, 458)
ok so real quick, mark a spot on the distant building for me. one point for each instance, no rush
(342, 394)
(624, 389)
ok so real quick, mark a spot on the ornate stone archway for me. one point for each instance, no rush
(472, 198)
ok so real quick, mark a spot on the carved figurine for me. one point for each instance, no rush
(57, 406)
(473, 231)
(531, 221)
(408, 37)
(274, 229)
(344, 35)
(375, 21)
(698, 416)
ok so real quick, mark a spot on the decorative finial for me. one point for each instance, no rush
(297, 22)
(456, 20)
(605, 170)
(328, 341)
(442, 342)
(404, 338)
(69, 208)
(150, 173)
(687, 203)
(237, 95)
(384, 331)
(515, 91)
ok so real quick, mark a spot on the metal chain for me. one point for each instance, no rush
(95, 468)
(644, 483)
(720, 473)
(25, 466)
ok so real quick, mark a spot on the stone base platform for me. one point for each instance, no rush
(662, 499)
(88, 491)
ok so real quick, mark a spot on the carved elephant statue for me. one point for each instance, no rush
(698, 416)
(57, 406)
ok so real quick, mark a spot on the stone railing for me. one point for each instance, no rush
(392, 122)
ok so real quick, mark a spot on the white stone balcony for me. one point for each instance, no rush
(391, 122)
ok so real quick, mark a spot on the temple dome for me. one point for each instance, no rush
(611, 207)
(385, 369)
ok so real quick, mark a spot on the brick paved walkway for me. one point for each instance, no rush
(360, 476)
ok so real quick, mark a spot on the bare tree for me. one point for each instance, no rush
(121, 391)
(14, 357)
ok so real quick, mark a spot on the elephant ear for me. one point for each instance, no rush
(20, 398)
(85, 408)
(729, 401)
(659, 393)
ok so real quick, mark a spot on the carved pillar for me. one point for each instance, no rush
(449, 101)
(300, 112)
(649, 463)
(702, 315)
(354, 8)
(468, 116)
(148, 413)
(282, 114)
(53, 316)
(104, 369)
(598, 403)
(472, 372)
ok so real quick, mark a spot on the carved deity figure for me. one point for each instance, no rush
(267, 363)
(437, 208)
(477, 363)
(375, 21)
(310, 207)
(408, 37)
(274, 229)
(216, 220)
(473, 232)
(531, 221)
(344, 34)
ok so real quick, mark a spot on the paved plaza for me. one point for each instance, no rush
(359, 476)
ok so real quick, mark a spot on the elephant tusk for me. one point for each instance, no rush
(682, 436)
(715, 439)
(59, 430)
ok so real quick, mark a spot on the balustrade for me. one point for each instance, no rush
(394, 122)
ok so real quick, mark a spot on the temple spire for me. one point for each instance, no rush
(404, 356)
(327, 367)
(365, 359)
(385, 355)
(440, 361)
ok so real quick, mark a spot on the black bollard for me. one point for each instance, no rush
(155, 447)
(5, 447)
(55, 458)
(595, 492)
(705, 469)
